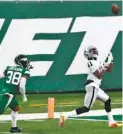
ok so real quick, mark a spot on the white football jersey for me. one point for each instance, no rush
(94, 65)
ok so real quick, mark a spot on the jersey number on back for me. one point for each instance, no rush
(90, 64)
(13, 77)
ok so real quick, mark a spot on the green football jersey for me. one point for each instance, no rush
(13, 76)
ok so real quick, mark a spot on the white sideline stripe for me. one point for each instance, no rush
(117, 103)
(10, 133)
(89, 119)
(4, 133)
(117, 111)
(34, 120)
(4, 122)
(118, 100)
(114, 103)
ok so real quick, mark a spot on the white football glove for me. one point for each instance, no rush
(111, 56)
(103, 68)
(110, 59)
(24, 98)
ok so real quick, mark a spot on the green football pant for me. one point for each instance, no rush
(7, 100)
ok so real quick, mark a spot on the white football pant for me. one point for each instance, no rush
(93, 93)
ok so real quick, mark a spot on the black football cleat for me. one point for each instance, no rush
(15, 130)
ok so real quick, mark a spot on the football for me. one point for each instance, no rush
(115, 9)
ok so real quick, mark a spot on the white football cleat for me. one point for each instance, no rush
(62, 119)
(115, 124)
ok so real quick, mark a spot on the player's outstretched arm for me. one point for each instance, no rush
(23, 89)
(109, 67)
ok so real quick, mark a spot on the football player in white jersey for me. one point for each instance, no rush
(92, 86)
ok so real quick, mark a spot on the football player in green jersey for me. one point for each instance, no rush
(15, 78)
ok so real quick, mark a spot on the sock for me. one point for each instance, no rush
(72, 113)
(110, 117)
(14, 118)
(78, 111)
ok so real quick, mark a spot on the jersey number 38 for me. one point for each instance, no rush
(13, 77)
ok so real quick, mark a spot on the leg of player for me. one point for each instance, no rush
(90, 97)
(14, 128)
(14, 118)
(5, 101)
(107, 102)
(14, 114)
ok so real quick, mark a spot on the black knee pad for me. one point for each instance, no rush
(108, 105)
(81, 110)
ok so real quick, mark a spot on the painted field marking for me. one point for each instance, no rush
(4, 122)
(10, 133)
(90, 119)
(112, 103)
(118, 100)
(65, 104)
(5, 133)
(43, 116)
(57, 105)
(37, 105)
(34, 120)
(116, 103)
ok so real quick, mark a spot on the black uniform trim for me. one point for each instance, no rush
(92, 97)
(88, 82)
(5, 72)
(93, 58)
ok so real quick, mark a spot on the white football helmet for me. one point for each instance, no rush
(90, 52)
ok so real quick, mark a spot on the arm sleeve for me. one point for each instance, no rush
(22, 86)
(26, 73)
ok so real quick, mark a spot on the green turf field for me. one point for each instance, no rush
(63, 102)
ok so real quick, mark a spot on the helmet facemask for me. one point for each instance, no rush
(23, 61)
(91, 52)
